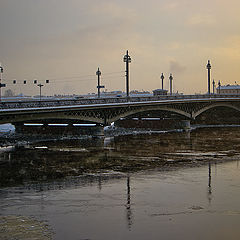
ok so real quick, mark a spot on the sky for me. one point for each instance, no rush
(66, 41)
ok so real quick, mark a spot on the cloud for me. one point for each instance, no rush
(175, 5)
(113, 10)
(228, 48)
(176, 68)
(201, 20)
(174, 46)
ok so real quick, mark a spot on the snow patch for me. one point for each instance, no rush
(7, 128)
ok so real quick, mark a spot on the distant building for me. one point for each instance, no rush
(139, 92)
(228, 89)
(112, 94)
(160, 92)
(136, 93)
(105, 94)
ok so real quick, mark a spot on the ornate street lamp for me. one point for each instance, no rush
(1, 84)
(98, 73)
(162, 77)
(213, 84)
(208, 68)
(171, 79)
(127, 60)
(219, 87)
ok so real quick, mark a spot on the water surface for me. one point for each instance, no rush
(159, 186)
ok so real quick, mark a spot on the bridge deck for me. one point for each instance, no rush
(7, 106)
(107, 110)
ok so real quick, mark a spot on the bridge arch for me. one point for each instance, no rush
(194, 115)
(44, 116)
(146, 109)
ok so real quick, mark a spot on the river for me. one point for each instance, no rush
(182, 185)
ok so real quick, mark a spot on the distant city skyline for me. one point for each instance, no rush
(66, 42)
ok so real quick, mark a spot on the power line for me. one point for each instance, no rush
(63, 79)
(113, 73)
(79, 77)
(83, 76)
(112, 79)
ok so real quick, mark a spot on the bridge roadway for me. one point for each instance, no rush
(106, 110)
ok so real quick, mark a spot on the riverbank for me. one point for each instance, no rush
(9, 137)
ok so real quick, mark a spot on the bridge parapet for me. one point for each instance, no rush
(92, 101)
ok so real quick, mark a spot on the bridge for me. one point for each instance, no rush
(104, 111)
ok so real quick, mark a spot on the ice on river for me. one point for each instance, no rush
(4, 128)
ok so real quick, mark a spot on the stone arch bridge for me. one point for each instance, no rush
(105, 111)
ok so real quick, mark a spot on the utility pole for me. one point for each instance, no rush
(213, 83)
(35, 81)
(162, 77)
(40, 87)
(171, 79)
(209, 70)
(127, 60)
(98, 73)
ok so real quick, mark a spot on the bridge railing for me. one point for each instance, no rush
(93, 101)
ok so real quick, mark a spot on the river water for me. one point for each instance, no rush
(143, 186)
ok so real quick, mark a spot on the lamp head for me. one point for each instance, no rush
(208, 65)
(98, 72)
(127, 58)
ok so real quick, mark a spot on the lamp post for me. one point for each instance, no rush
(171, 79)
(127, 60)
(213, 83)
(209, 69)
(1, 74)
(98, 73)
(219, 87)
(1, 84)
(162, 77)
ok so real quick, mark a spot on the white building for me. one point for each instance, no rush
(228, 89)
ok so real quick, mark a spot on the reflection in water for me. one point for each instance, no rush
(209, 182)
(128, 205)
(108, 141)
(209, 174)
(100, 181)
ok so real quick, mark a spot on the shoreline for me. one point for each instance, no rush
(18, 139)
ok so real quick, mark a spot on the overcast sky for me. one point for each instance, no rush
(66, 41)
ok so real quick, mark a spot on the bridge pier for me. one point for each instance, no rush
(186, 124)
(154, 124)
